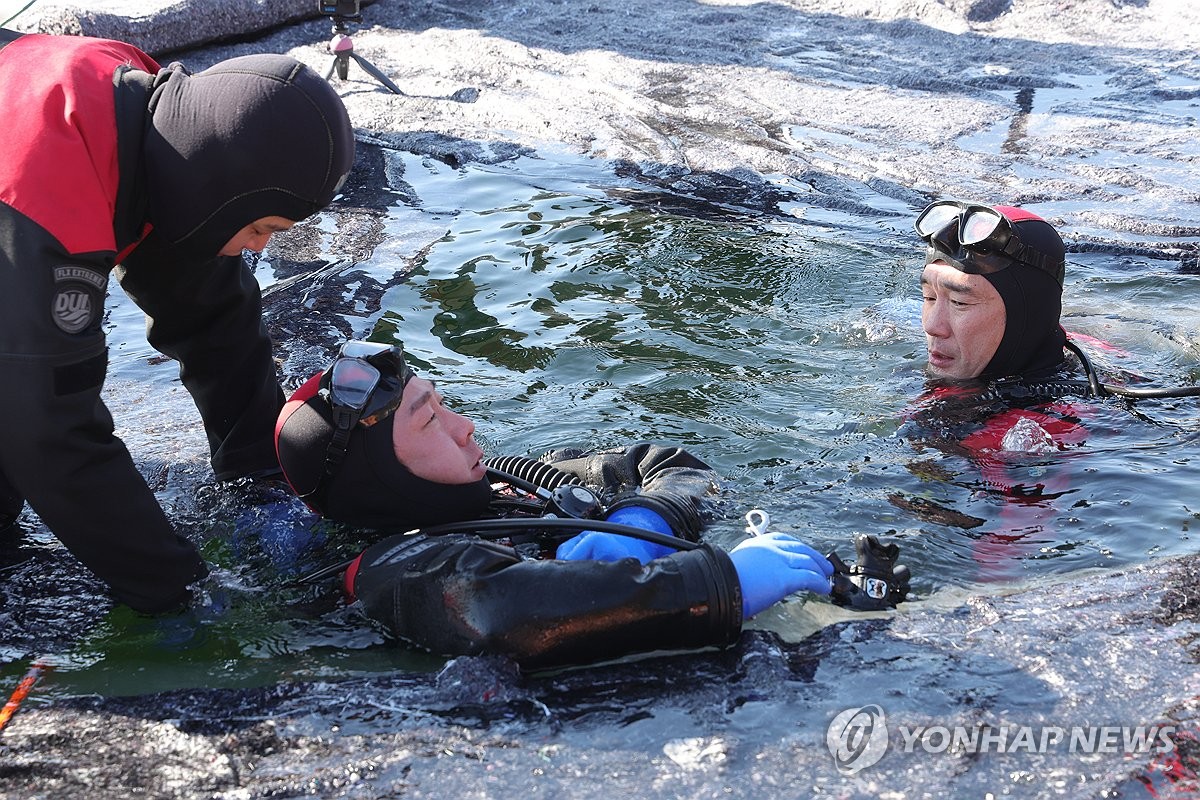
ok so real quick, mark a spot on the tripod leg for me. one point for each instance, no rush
(340, 65)
(375, 73)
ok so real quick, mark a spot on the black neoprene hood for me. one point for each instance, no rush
(1033, 340)
(370, 488)
(251, 137)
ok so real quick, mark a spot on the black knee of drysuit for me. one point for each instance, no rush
(11, 503)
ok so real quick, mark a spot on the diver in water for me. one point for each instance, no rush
(162, 178)
(992, 288)
(992, 297)
(573, 559)
(1006, 381)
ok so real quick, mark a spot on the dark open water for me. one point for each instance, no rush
(559, 305)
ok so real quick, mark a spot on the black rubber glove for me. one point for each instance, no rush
(875, 582)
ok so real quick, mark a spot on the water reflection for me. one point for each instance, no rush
(788, 356)
(557, 309)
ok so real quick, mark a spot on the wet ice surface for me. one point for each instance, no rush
(744, 723)
(807, 149)
(1026, 436)
(316, 702)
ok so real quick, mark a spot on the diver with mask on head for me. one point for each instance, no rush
(1006, 380)
(573, 559)
(992, 287)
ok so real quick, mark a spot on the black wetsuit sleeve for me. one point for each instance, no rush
(460, 595)
(57, 444)
(648, 467)
(207, 315)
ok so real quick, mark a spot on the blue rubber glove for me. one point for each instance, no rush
(774, 565)
(189, 628)
(597, 546)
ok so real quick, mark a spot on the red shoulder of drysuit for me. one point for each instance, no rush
(60, 162)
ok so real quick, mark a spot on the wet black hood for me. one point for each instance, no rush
(251, 137)
(371, 488)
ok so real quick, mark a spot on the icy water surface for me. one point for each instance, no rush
(559, 304)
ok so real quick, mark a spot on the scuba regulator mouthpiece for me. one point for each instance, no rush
(875, 582)
(567, 500)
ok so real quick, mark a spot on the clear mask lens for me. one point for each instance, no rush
(936, 217)
(351, 383)
(979, 225)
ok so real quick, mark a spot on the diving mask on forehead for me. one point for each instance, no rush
(363, 386)
(979, 240)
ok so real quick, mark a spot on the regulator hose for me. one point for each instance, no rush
(532, 471)
(1092, 387)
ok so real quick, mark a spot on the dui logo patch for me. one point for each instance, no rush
(73, 309)
(78, 298)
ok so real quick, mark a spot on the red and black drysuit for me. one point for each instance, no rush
(109, 162)
(463, 594)
(1000, 435)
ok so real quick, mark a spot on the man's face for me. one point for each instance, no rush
(255, 235)
(432, 441)
(963, 317)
